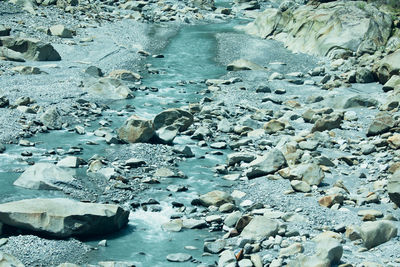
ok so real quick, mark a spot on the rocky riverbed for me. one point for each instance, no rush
(199, 133)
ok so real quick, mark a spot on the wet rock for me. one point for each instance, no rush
(297, 27)
(269, 163)
(179, 118)
(9, 260)
(260, 228)
(215, 198)
(328, 122)
(45, 176)
(393, 188)
(136, 130)
(179, 257)
(201, 133)
(124, 75)
(60, 217)
(31, 49)
(109, 88)
(243, 64)
(194, 224)
(382, 123)
(375, 233)
(214, 247)
(166, 135)
(232, 218)
(60, 31)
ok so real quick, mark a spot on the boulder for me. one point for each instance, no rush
(70, 162)
(11, 55)
(4, 31)
(51, 118)
(300, 186)
(179, 118)
(378, 232)
(269, 163)
(60, 31)
(31, 49)
(321, 29)
(389, 66)
(393, 188)
(45, 176)
(61, 217)
(238, 157)
(227, 258)
(260, 228)
(215, 198)
(109, 88)
(136, 130)
(392, 84)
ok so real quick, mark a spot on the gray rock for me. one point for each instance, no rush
(393, 188)
(31, 49)
(215, 198)
(94, 71)
(179, 257)
(360, 101)
(300, 186)
(179, 118)
(238, 157)
(214, 247)
(329, 249)
(4, 102)
(382, 123)
(45, 176)
(173, 225)
(389, 66)
(11, 55)
(61, 217)
(167, 134)
(232, 218)
(310, 173)
(226, 258)
(328, 122)
(2, 148)
(392, 84)
(201, 133)
(273, 126)
(124, 75)
(194, 224)
(269, 163)
(243, 64)
(260, 228)
(4, 31)
(375, 233)
(60, 31)
(364, 75)
(136, 130)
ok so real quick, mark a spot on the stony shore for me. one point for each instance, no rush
(311, 140)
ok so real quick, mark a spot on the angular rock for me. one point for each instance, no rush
(273, 126)
(45, 176)
(389, 66)
(238, 157)
(382, 123)
(269, 163)
(300, 186)
(393, 188)
(179, 118)
(378, 232)
(173, 225)
(11, 55)
(214, 247)
(32, 49)
(51, 118)
(260, 228)
(392, 84)
(60, 31)
(328, 122)
(215, 198)
(227, 258)
(70, 162)
(61, 217)
(7, 260)
(136, 130)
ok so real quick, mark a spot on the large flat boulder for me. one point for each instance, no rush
(45, 176)
(31, 49)
(346, 25)
(61, 217)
